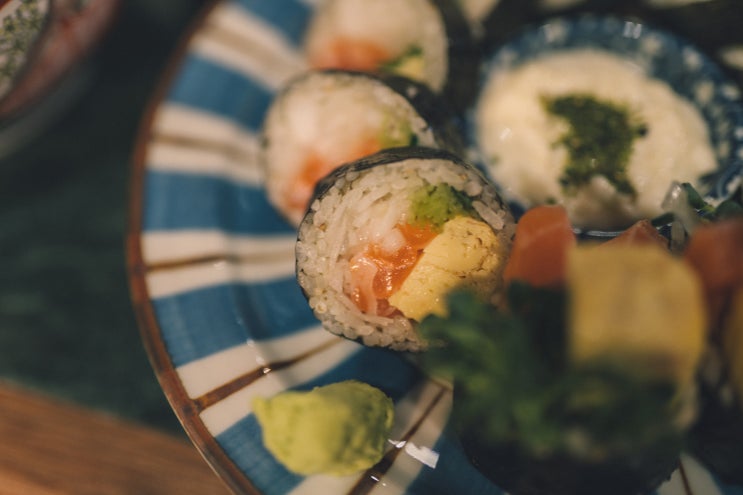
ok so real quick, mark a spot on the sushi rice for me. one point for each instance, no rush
(407, 37)
(323, 119)
(362, 202)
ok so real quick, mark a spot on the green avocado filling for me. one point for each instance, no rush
(599, 140)
(434, 205)
(513, 383)
(408, 64)
(396, 132)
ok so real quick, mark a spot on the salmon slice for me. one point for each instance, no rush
(716, 252)
(543, 237)
(376, 273)
(641, 232)
(351, 54)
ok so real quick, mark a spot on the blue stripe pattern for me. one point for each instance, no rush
(242, 442)
(212, 88)
(201, 322)
(203, 202)
(290, 17)
(387, 370)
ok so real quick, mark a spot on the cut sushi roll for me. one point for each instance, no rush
(323, 119)
(389, 236)
(424, 40)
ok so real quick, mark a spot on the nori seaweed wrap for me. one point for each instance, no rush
(389, 236)
(324, 118)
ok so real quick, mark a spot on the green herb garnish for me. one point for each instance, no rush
(599, 141)
(513, 384)
(701, 210)
(434, 205)
(728, 208)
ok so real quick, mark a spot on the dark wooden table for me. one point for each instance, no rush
(54, 447)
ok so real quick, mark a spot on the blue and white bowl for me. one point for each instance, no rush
(662, 55)
(212, 277)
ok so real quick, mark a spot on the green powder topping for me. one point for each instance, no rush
(599, 140)
(434, 205)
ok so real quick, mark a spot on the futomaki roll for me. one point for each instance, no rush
(388, 237)
(425, 40)
(325, 118)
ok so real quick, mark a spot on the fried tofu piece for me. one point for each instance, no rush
(638, 306)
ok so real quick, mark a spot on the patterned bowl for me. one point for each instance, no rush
(45, 46)
(658, 53)
(211, 269)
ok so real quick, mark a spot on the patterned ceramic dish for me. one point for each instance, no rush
(212, 275)
(657, 53)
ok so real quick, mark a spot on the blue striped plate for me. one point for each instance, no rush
(212, 276)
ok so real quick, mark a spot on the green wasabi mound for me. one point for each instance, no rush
(335, 429)
(434, 205)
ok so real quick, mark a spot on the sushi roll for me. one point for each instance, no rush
(389, 236)
(428, 41)
(324, 118)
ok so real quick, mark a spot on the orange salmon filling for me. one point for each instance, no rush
(316, 167)
(377, 273)
(351, 54)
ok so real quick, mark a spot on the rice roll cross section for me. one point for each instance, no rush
(323, 119)
(427, 41)
(389, 236)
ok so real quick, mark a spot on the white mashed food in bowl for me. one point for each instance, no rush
(519, 139)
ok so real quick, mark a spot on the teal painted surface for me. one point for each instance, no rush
(66, 320)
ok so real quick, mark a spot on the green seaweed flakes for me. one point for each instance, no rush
(599, 140)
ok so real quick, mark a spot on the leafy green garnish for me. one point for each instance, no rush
(599, 141)
(697, 206)
(726, 209)
(434, 205)
(513, 384)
